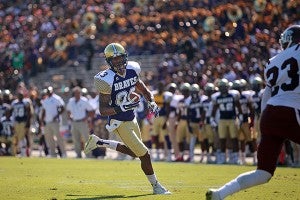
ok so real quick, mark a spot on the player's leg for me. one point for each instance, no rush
(222, 133)
(146, 133)
(275, 128)
(20, 142)
(172, 132)
(180, 139)
(155, 137)
(233, 133)
(165, 138)
(253, 178)
(130, 134)
(209, 134)
(193, 139)
(242, 144)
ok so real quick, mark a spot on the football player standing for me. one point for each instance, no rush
(195, 118)
(244, 129)
(115, 86)
(280, 119)
(160, 136)
(227, 102)
(182, 130)
(208, 131)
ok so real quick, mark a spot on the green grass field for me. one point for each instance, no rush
(84, 179)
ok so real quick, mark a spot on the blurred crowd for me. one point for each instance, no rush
(210, 37)
(200, 41)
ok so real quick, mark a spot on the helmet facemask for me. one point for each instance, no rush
(118, 64)
(290, 37)
(285, 40)
(223, 86)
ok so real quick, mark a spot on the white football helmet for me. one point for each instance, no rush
(290, 37)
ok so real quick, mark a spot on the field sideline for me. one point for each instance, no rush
(88, 179)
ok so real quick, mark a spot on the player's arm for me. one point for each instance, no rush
(141, 88)
(104, 105)
(214, 110)
(213, 122)
(251, 113)
(202, 116)
(28, 111)
(238, 105)
(189, 117)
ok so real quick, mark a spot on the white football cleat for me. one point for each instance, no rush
(159, 189)
(212, 194)
(91, 144)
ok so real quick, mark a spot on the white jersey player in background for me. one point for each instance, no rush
(280, 119)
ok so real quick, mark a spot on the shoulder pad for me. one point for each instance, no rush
(103, 81)
(215, 95)
(204, 98)
(236, 94)
(135, 66)
(168, 96)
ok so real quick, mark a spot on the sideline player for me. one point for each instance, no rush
(280, 119)
(114, 86)
(160, 136)
(195, 118)
(182, 130)
(227, 101)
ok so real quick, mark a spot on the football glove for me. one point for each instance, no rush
(153, 108)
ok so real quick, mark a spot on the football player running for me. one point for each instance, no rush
(114, 86)
(280, 119)
(195, 120)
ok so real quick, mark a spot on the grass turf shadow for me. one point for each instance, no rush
(92, 197)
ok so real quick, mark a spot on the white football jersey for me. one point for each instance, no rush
(282, 75)
(174, 103)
